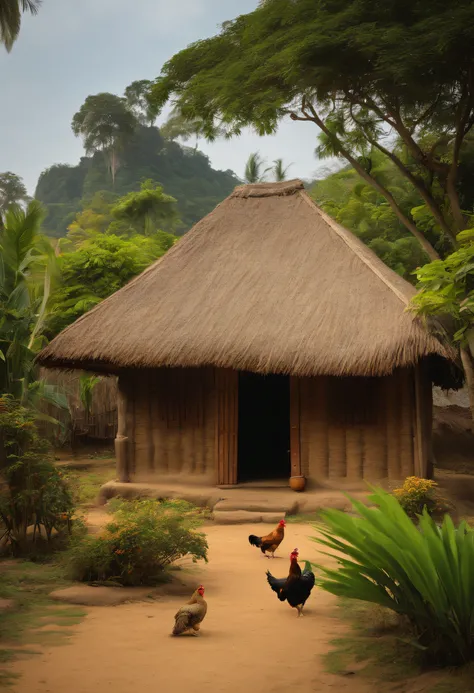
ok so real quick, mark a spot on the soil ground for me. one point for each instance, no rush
(249, 639)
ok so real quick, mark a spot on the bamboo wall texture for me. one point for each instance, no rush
(100, 424)
(359, 428)
(170, 423)
(183, 423)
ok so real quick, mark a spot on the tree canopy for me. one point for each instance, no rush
(12, 191)
(355, 204)
(186, 173)
(395, 76)
(105, 123)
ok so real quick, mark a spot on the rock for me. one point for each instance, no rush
(100, 596)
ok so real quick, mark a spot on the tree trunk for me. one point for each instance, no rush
(468, 365)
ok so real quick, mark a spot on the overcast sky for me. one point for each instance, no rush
(74, 48)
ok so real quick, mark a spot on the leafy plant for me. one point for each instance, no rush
(144, 538)
(446, 287)
(424, 573)
(416, 494)
(28, 269)
(87, 385)
(33, 493)
(100, 265)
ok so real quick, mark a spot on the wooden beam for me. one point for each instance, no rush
(227, 382)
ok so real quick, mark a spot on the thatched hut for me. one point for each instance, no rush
(268, 343)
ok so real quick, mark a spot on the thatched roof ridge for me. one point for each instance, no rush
(267, 282)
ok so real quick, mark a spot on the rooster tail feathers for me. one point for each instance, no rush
(307, 567)
(255, 541)
(181, 624)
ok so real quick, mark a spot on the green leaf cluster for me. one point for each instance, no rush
(144, 537)
(424, 573)
(33, 493)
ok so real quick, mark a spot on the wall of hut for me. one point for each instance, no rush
(166, 425)
(365, 428)
(181, 424)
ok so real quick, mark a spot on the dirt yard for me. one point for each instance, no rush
(249, 641)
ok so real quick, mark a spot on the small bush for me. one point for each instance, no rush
(144, 537)
(423, 572)
(34, 495)
(417, 494)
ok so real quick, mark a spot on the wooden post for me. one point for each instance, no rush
(227, 388)
(421, 456)
(295, 443)
(122, 441)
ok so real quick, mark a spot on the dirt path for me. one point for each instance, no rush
(249, 642)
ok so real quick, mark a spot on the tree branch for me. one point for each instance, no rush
(416, 182)
(463, 120)
(395, 121)
(314, 117)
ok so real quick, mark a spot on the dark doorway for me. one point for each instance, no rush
(264, 427)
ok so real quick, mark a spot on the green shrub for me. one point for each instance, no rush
(144, 537)
(416, 494)
(423, 572)
(33, 493)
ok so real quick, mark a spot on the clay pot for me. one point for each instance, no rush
(297, 483)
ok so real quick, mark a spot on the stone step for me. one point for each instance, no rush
(255, 505)
(241, 517)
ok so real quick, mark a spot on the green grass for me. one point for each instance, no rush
(377, 648)
(87, 483)
(35, 618)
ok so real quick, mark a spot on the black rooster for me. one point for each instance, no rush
(296, 588)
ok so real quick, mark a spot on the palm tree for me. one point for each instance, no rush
(28, 266)
(280, 171)
(105, 123)
(10, 18)
(254, 171)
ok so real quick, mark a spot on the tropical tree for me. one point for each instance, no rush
(105, 123)
(359, 207)
(10, 19)
(95, 268)
(280, 171)
(177, 126)
(28, 271)
(254, 169)
(136, 98)
(383, 76)
(12, 191)
(147, 208)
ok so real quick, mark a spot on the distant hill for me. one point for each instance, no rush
(183, 172)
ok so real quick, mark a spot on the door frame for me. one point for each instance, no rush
(227, 426)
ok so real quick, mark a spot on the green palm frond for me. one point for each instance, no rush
(10, 18)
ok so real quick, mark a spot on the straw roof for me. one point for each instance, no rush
(267, 282)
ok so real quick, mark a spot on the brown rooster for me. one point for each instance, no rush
(271, 541)
(191, 615)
